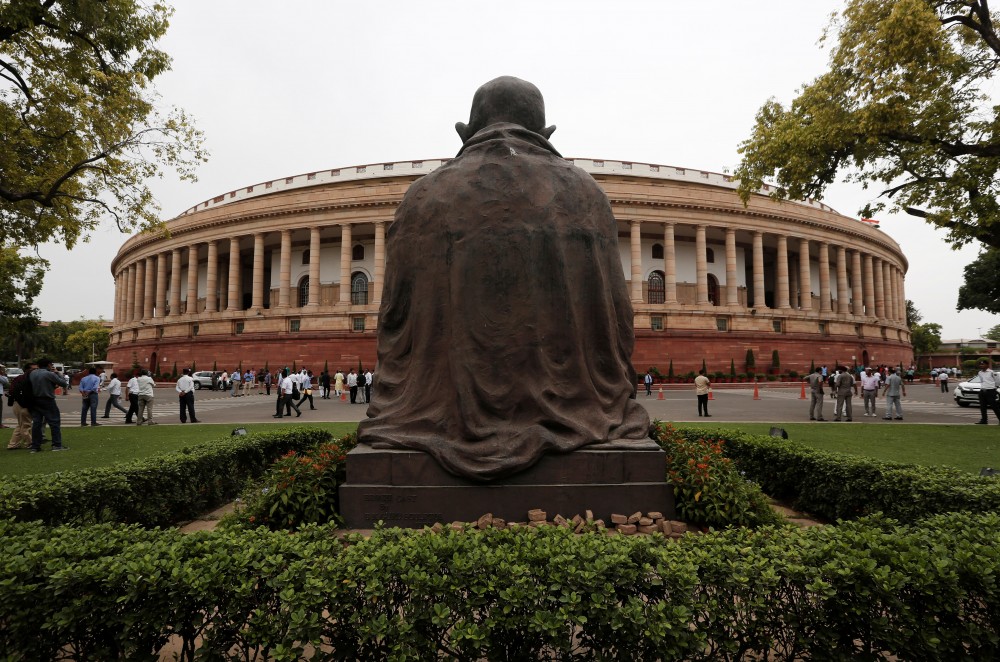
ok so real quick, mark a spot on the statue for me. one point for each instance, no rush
(505, 331)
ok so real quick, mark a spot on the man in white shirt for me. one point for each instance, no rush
(285, 388)
(132, 388)
(369, 380)
(869, 390)
(943, 378)
(987, 392)
(352, 385)
(146, 396)
(185, 391)
(114, 389)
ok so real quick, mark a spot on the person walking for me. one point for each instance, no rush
(943, 379)
(20, 399)
(846, 388)
(185, 392)
(988, 392)
(114, 389)
(338, 380)
(648, 381)
(285, 386)
(324, 379)
(267, 383)
(44, 408)
(89, 386)
(894, 386)
(306, 389)
(870, 382)
(701, 389)
(816, 381)
(146, 397)
(132, 391)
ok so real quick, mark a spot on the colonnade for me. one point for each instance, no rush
(149, 287)
(867, 283)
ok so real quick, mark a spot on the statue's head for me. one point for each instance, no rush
(506, 99)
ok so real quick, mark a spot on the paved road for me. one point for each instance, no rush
(924, 404)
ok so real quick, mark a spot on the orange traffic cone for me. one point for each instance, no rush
(343, 396)
(802, 395)
(710, 396)
(756, 393)
(660, 396)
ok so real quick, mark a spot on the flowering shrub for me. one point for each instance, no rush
(708, 489)
(300, 488)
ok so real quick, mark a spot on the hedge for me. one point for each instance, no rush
(839, 486)
(155, 491)
(865, 589)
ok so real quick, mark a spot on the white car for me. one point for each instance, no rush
(14, 372)
(967, 393)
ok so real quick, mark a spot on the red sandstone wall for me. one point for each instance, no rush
(651, 349)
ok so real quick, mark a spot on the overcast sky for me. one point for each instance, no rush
(286, 88)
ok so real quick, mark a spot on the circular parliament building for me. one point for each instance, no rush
(291, 271)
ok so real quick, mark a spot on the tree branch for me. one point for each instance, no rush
(17, 80)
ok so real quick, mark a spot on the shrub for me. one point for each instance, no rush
(775, 361)
(155, 491)
(865, 590)
(300, 488)
(835, 486)
(707, 488)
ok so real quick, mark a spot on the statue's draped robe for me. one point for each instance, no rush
(505, 330)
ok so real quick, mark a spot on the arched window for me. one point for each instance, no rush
(709, 255)
(713, 289)
(657, 251)
(358, 252)
(656, 292)
(305, 256)
(303, 291)
(359, 289)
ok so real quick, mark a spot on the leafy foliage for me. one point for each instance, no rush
(981, 289)
(708, 490)
(925, 338)
(861, 590)
(906, 104)
(93, 338)
(300, 488)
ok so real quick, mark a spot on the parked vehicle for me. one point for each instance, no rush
(967, 393)
(206, 379)
(14, 372)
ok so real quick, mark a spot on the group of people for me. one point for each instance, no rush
(844, 386)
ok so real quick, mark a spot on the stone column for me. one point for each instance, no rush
(759, 298)
(175, 283)
(233, 298)
(345, 264)
(843, 299)
(669, 264)
(701, 264)
(732, 286)
(161, 286)
(118, 298)
(888, 289)
(130, 292)
(147, 293)
(223, 284)
(285, 270)
(635, 243)
(212, 278)
(314, 267)
(857, 283)
(825, 304)
(379, 261)
(805, 277)
(901, 296)
(869, 284)
(257, 280)
(192, 294)
(879, 284)
(781, 278)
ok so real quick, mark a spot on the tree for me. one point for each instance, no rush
(905, 106)
(925, 338)
(913, 315)
(22, 281)
(91, 341)
(981, 289)
(994, 333)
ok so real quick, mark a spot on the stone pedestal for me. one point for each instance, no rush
(409, 489)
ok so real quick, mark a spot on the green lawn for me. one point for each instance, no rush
(90, 447)
(967, 447)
